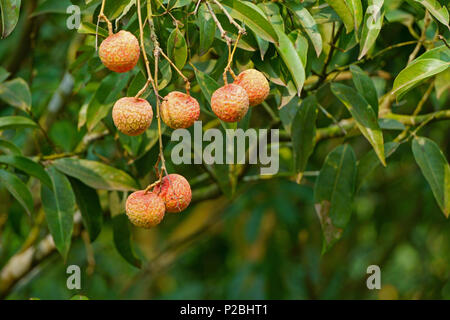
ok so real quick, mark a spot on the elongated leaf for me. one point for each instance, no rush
(59, 207)
(415, 73)
(16, 122)
(436, 170)
(207, 29)
(373, 21)
(90, 28)
(207, 84)
(177, 48)
(304, 132)
(28, 166)
(9, 16)
(344, 12)
(10, 147)
(16, 93)
(369, 162)
(52, 6)
(89, 205)
(439, 53)
(122, 239)
(96, 174)
(113, 9)
(292, 60)
(365, 87)
(106, 95)
(18, 189)
(364, 116)
(438, 11)
(333, 192)
(308, 23)
(248, 13)
(356, 9)
(4, 74)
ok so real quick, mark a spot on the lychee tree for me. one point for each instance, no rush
(350, 85)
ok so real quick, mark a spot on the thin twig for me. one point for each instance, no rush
(230, 18)
(422, 38)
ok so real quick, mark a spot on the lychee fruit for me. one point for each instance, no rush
(132, 116)
(120, 51)
(145, 209)
(230, 103)
(175, 191)
(179, 110)
(255, 84)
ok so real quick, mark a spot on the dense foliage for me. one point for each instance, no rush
(359, 90)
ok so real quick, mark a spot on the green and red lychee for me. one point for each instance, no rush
(255, 84)
(175, 191)
(132, 116)
(230, 103)
(145, 209)
(179, 110)
(120, 51)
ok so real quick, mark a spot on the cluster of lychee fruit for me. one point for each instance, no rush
(132, 116)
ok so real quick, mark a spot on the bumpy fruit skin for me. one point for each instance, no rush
(145, 210)
(175, 192)
(230, 103)
(132, 116)
(179, 110)
(120, 52)
(255, 84)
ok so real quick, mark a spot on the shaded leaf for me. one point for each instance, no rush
(59, 207)
(96, 174)
(28, 166)
(364, 116)
(10, 147)
(16, 122)
(18, 189)
(365, 86)
(177, 48)
(435, 168)
(333, 192)
(207, 29)
(9, 16)
(89, 205)
(90, 28)
(304, 132)
(16, 93)
(122, 239)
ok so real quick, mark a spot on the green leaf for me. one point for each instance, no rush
(292, 60)
(207, 29)
(18, 189)
(304, 132)
(373, 21)
(207, 84)
(52, 6)
(440, 53)
(16, 93)
(10, 147)
(333, 193)
(249, 14)
(438, 11)
(369, 162)
(344, 12)
(28, 166)
(364, 116)
(90, 28)
(16, 122)
(113, 9)
(96, 175)
(442, 83)
(436, 170)
(59, 207)
(390, 124)
(308, 23)
(177, 48)
(10, 10)
(79, 297)
(89, 205)
(415, 73)
(356, 9)
(122, 239)
(4, 74)
(106, 95)
(365, 86)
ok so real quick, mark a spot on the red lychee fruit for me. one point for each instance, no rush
(255, 84)
(175, 191)
(132, 116)
(145, 210)
(120, 51)
(179, 110)
(230, 103)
